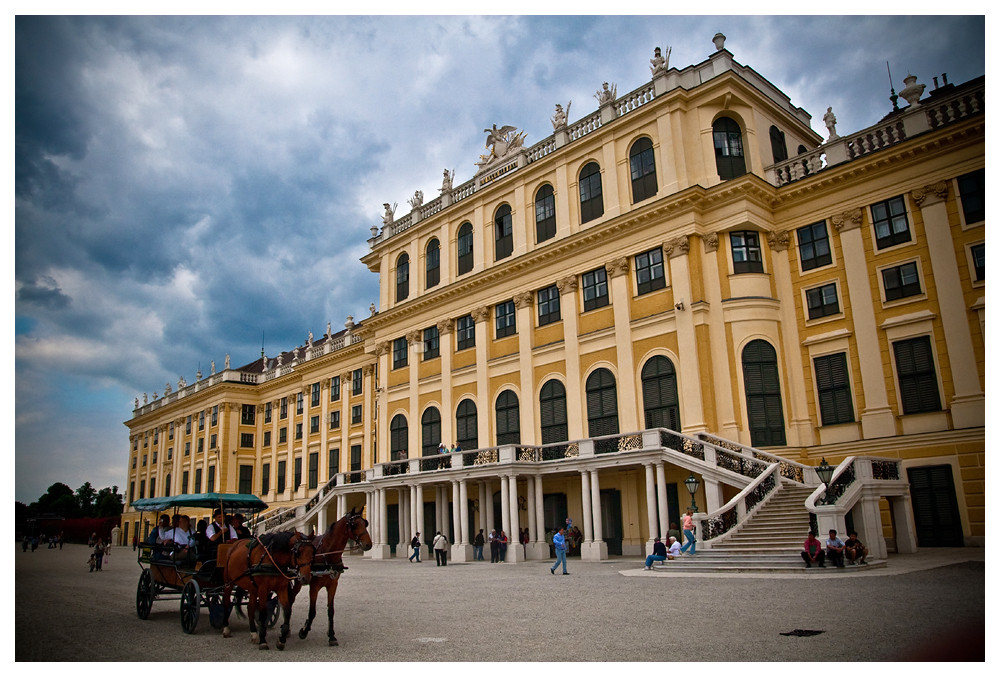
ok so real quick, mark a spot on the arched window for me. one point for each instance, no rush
(465, 248)
(503, 230)
(591, 196)
(778, 148)
(430, 431)
(399, 438)
(552, 410)
(433, 259)
(643, 170)
(508, 419)
(467, 425)
(602, 404)
(166, 486)
(728, 140)
(402, 277)
(763, 390)
(545, 214)
(659, 394)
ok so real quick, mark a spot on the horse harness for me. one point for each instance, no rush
(261, 568)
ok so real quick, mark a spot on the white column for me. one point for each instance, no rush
(419, 499)
(463, 512)
(505, 505)
(456, 515)
(490, 517)
(540, 515)
(598, 549)
(482, 508)
(383, 518)
(529, 490)
(661, 500)
(321, 519)
(651, 506)
(588, 528)
(515, 553)
(402, 504)
(439, 520)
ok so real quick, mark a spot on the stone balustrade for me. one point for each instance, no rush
(629, 102)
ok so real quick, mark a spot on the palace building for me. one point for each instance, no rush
(685, 296)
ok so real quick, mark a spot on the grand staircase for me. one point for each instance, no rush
(768, 543)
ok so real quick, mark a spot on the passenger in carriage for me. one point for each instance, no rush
(237, 525)
(218, 532)
(182, 540)
(201, 540)
(158, 537)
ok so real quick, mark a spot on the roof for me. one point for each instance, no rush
(226, 501)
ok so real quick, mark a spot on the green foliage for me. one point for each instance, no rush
(86, 501)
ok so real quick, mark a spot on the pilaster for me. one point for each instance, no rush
(689, 369)
(575, 418)
(617, 271)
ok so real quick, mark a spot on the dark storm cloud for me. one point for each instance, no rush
(42, 292)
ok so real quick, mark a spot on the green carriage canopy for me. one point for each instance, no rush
(226, 501)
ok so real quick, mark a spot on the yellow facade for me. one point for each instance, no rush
(731, 273)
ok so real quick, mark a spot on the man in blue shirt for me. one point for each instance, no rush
(835, 549)
(559, 541)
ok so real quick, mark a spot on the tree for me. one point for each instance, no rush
(109, 502)
(85, 496)
(47, 501)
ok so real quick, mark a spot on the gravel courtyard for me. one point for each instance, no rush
(607, 611)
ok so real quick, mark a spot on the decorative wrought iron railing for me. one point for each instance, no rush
(759, 493)
(481, 457)
(355, 477)
(555, 452)
(748, 467)
(728, 516)
(440, 462)
(885, 470)
(685, 445)
(839, 484)
(396, 468)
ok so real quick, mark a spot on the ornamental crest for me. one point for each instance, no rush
(503, 143)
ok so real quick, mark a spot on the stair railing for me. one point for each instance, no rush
(792, 470)
(743, 505)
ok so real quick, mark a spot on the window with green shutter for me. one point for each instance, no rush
(763, 394)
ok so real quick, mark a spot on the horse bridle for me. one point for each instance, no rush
(352, 518)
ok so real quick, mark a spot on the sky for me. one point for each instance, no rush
(184, 185)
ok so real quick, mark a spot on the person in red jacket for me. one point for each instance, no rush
(813, 551)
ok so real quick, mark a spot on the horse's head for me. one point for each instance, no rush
(303, 552)
(357, 529)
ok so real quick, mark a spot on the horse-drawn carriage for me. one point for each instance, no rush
(269, 571)
(195, 581)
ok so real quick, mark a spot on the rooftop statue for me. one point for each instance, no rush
(502, 143)
(166, 389)
(181, 382)
(213, 366)
(830, 120)
(417, 199)
(660, 64)
(389, 215)
(561, 117)
(446, 181)
(605, 95)
(227, 360)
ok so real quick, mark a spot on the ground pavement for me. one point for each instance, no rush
(924, 606)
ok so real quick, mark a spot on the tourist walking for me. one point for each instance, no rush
(559, 541)
(440, 549)
(689, 532)
(477, 546)
(415, 544)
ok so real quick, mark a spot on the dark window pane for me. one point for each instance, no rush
(591, 197)
(545, 214)
(972, 188)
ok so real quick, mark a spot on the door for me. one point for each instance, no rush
(555, 512)
(935, 507)
(392, 532)
(611, 520)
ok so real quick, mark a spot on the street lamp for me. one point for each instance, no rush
(825, 473)
(692, 485)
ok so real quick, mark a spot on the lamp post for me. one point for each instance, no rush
(825, 473)
(692, 485)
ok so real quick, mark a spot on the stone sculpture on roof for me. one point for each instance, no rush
(390, 214)
(605, 95)
(660, 63)
(503, 143)
(446, 181)
(417, 199)
(830, 120)
(561, 117)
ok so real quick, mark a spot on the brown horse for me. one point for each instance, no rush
(261, 566)
(329, 564)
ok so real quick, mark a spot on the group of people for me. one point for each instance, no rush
(498, 546)
(853, 550)
(443, 449)
(176, 541)
(439, 545)
(54, 541)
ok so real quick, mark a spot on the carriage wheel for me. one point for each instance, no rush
(190, 606)
(144, 595)
(216, 614)
(273, 610)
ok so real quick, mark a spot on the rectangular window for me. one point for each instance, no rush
(355, 457)
(298, 403)
(399, 353)
(211, 441)
(282, 435)
(210, 485)
(135, 444)
(187, 426)
(746, 251)
(166, 486)
(432, 343)
(334, 419)
(170, 435)
(595, 289)
(156, 435)
(196, 489)
(314, 395)
(201, 420)
(145, 440)
(142, 488)
(280, 484)
(134, 461)
(284, 408)
(298, 473)
(246, 479)
(201, 444)
(506, 319)
(357, 384)
(978, 252)
(187, 448)
(185, 476)
(901, 281)
(891, 225)
(144, 460)
(170, 453)
(267, 412)
(298, 431)
(131, 491)
(918, 386)
(822, 301)
(248, 413)
(152, 487)
(465, 331)
(548, 305)
(834, 388)
(314, 424)
(246, 440)
(267, 438)
(314, 470)
(356, 414)
(649, 273)
(154, 457)
(814, 246)
(333, 462)
(215, 415)
(334, 388)
(265, 479)
(972, 188)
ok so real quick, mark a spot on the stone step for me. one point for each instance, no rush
(764, 567)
